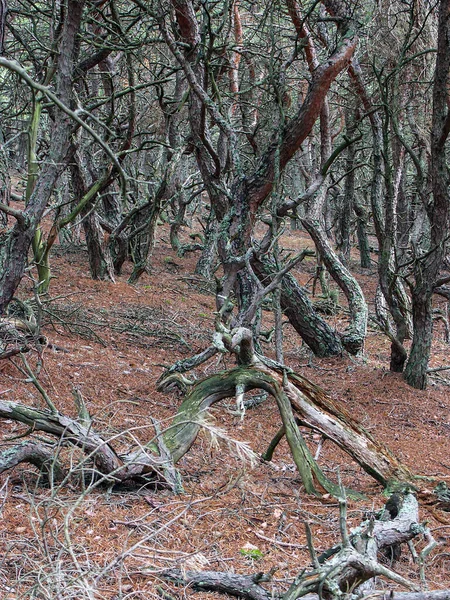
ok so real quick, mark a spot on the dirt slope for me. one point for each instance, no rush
(114, 339)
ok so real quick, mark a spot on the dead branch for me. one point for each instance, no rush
(242, 586)
(35, 454)
(347, 569)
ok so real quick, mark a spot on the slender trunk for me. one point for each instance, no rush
(205, 264)
(361, 232)
(349, 194)
(297, 307)
(16, 241)
(417, 365)
(100, 262)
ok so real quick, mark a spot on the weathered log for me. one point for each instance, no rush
(242, 586)
(247, 587)
(143, 465)
(106, 459)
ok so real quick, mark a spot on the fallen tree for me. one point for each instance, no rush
(300, 402)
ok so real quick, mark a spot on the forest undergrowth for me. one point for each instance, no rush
(80, 539)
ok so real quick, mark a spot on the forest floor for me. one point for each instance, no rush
(236, 514)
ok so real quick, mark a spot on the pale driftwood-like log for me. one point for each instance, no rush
(404, 527)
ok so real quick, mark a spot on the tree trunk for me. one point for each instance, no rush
(298, 308)
(208, 257)
(16, 242)
(354, 337)
(100, 262)
(361, 232)
(427, 267)
(417, 365)
(236, 206)
(142, 237)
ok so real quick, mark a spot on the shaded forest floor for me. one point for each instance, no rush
(60, 541)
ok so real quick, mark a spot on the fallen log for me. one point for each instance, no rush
(150, 463)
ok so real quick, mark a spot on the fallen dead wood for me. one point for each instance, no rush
(350, 566)
(249, 588)
(33, 453)
(148, 463)
(242, 586)
(299, 402)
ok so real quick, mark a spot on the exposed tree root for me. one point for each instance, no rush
(299, 402)
(247, 587)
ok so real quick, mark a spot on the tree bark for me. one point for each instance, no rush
(35, 454)
(3, 13)
(354, 337)
(427, 267)
(298, 308)
(15, 242)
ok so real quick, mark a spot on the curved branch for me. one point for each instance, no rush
(33, 453)
(14, 66)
